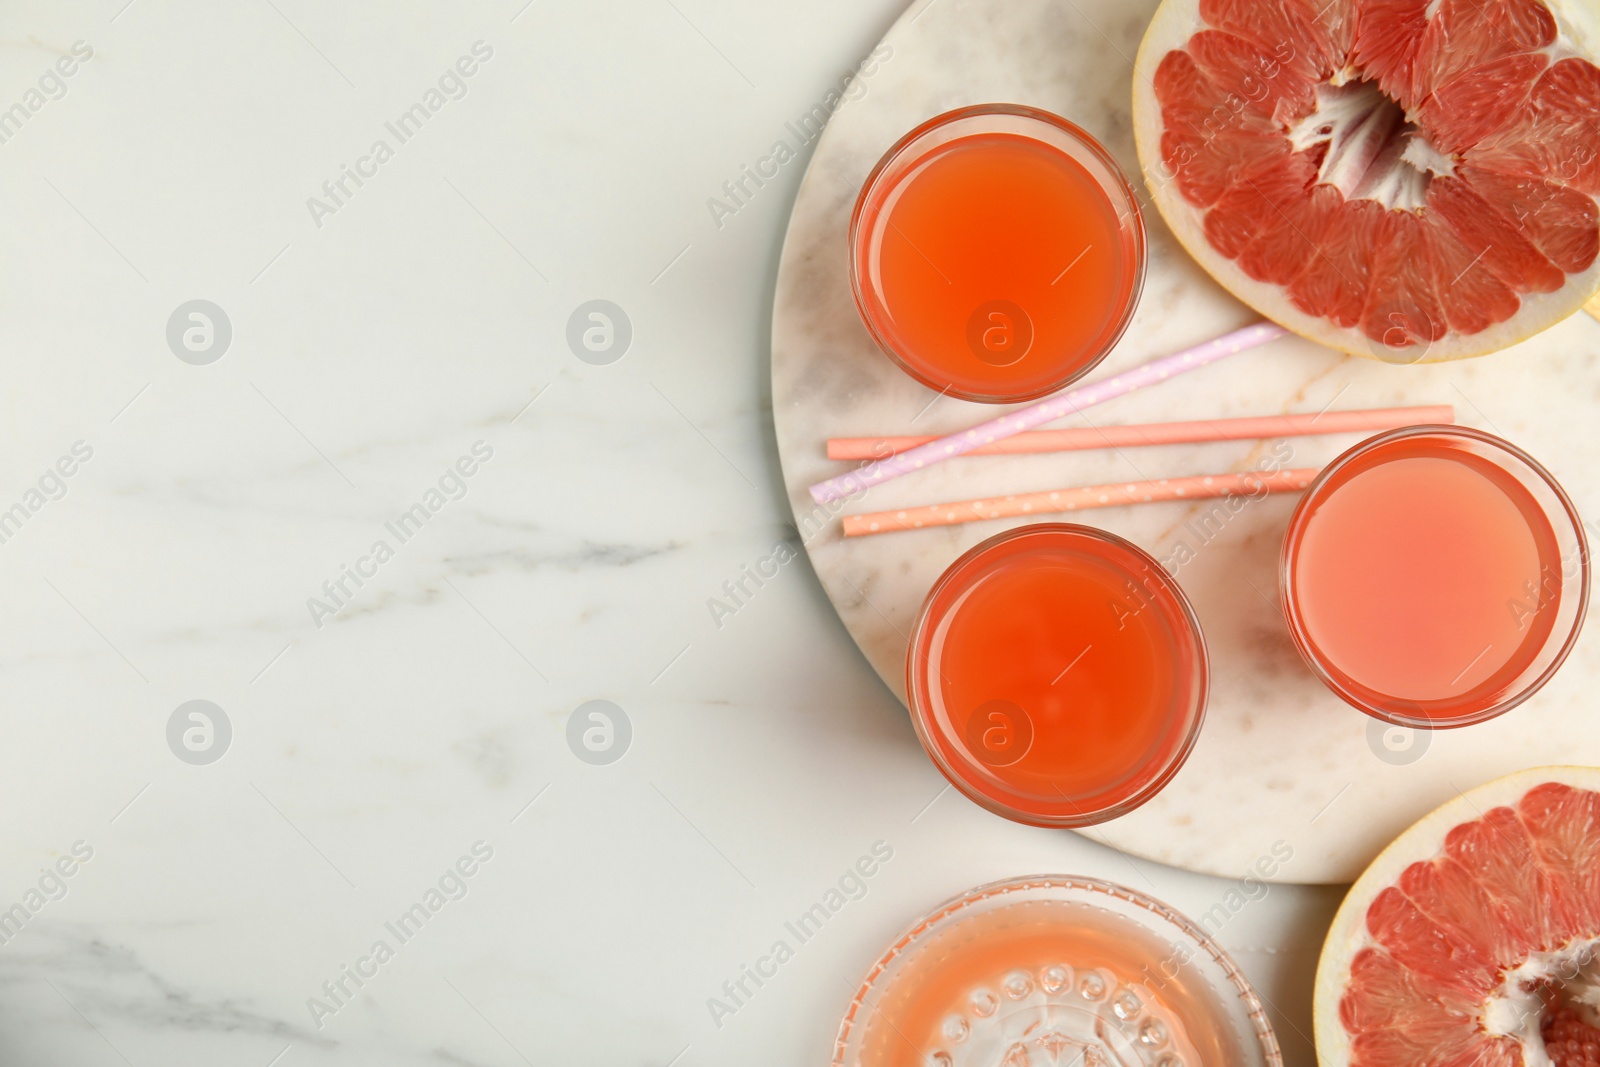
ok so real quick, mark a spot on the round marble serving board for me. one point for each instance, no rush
(1281, 762)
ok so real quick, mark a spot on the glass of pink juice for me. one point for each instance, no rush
(1435, 576)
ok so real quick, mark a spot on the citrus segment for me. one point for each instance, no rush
(1291, 32)
(1216, 155)
(1474, 32)
(1562, 822)
(1388, 36)
(1505, 246)
(1403, 307)
(1254, 204)
(1477, 102)
(1474, 297)
(1336, 278)
(1560, 223)
(1555, 134)
(1410, 179)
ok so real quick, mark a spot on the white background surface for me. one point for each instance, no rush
(372, 752)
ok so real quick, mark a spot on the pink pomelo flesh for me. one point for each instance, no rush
(1412, 178)
(1474, 941)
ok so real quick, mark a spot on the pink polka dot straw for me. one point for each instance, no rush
(1047, 410)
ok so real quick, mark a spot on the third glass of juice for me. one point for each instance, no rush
(1435, 576)
(997, 253)
(1057, 675)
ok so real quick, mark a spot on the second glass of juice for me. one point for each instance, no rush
(997, 253)
(1435, 576)
(1057, 675)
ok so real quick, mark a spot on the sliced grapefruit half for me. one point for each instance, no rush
(1414, 180)
(1474, 939)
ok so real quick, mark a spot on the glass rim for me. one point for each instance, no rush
(1134, 223)
(917, 695)
(1079, 885)
(1294, 617)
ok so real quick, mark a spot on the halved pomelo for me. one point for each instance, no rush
(1474, 939)
(1414, 180)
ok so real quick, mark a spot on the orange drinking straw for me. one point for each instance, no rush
(1161, 433)
(1250, 484)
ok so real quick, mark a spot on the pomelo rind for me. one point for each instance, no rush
(1424, 840)
(1173, 24)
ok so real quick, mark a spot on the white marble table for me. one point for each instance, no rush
(1280, 759)
(368, 755)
